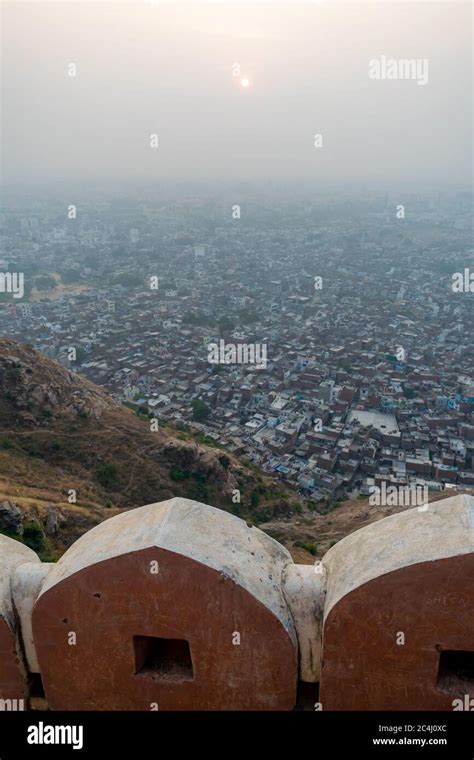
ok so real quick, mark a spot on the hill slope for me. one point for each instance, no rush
(63, 438)
(70, 457)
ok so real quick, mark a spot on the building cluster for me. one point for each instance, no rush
(369, 355)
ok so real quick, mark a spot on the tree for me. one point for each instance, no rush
(200, 410)
(225, 461)
(70, 276)
(197, 318)
(45, 282)
(255, 498)
(33, 536)
(247, 317)
(128, 279)
(107, 475)
(226, 324)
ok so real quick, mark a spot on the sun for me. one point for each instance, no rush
(245, 82)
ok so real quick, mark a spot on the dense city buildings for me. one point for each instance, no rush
(359, 308)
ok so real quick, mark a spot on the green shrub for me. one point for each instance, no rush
(177, 474)
(200, 410)
(282, 508)
(107, 475)
(34, 537)
(307, 546)
(201, 491)
(13, 374)
(255, 497)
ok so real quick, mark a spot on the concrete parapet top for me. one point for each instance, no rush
(247, 556)
(443, 529)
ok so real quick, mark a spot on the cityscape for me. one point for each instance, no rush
(365, 324)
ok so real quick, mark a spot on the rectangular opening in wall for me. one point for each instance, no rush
(37, 699)
(456, 672)
(307, 696)
(163, 659)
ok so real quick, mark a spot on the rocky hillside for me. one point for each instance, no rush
(70, 456)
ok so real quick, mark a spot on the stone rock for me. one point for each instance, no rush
(11, 518)
(52, 521)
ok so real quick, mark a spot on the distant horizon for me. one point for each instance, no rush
(280, 184)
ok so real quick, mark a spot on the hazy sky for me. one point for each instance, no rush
(166, 68)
